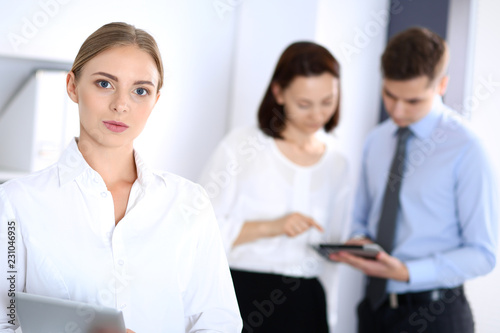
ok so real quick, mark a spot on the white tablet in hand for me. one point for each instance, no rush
(41, 314)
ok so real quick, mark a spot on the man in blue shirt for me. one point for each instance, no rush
(444, 200)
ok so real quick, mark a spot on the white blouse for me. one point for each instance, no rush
(248, 178)
(163, 264)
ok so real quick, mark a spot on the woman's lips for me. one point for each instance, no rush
(115, 126)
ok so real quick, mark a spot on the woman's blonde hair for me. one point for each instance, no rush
(117, 34)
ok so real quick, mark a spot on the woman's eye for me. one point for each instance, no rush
(141, 91)
(302, 106)
(104, 84)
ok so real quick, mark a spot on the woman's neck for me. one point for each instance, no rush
(301, 140)
(114, 164)
(301, 148)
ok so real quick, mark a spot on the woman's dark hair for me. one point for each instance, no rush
(298, 59)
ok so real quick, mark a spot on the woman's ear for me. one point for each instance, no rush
(277, 93)
(71, 87)
(157, 97)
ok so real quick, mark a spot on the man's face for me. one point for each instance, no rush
(409, 101)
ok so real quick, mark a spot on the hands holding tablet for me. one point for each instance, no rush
(384, 265)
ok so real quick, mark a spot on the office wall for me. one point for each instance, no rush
(481, 106)
(264, 30)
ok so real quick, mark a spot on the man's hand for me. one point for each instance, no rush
(384, 265)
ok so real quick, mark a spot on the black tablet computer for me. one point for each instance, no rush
(368, 251)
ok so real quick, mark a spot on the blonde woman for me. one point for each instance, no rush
(100, 226)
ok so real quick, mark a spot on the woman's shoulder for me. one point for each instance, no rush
(188, 200)
(170, 180)
(243, 131)
(243, 134)
(37, 181)
(246, 133)
(241, 141)
(335, 158)
(179, 187)
(333, 148)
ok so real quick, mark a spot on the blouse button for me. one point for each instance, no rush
(104, 194)
(121, 262)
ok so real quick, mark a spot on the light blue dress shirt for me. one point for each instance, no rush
(446, 229)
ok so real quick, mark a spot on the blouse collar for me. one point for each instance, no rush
(72, 165)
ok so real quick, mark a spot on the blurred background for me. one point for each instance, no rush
(219, 56)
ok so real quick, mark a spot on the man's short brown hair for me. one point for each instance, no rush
(415, 52)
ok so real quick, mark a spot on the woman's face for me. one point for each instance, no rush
(309, 101)
(116, 92)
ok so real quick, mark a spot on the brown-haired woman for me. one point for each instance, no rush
(101, 227)
(280, 187)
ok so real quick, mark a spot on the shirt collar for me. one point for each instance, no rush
(144, 174)
(424, 127)
(72, 165)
